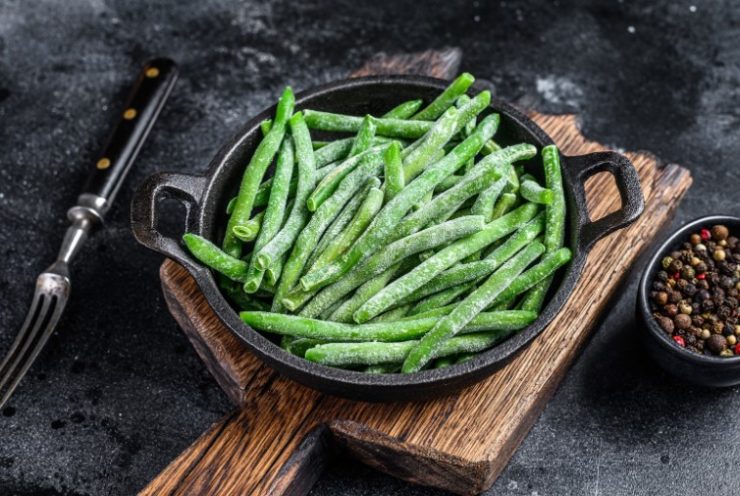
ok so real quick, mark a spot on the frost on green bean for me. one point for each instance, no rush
(555, 228)
(551, 262)
(442, 260)
(374, 353)
(436, 138)
(365, 136)
(274, 214)
(306, 241)
(447, 98)
(298, 216)
(532, 191)
(399, 330)
(391, 128)
(329, 184)
(474, 271)
(392, 253)
(369, 207)
(249, 230)
(471, 306)
(387, 219)
(255, 171)
(441, 298)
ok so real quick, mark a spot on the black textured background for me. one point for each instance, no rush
(119, 392)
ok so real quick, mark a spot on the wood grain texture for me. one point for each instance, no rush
(283, 433)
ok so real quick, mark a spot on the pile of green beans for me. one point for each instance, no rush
(415, 241)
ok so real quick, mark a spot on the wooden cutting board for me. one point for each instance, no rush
(282, 434)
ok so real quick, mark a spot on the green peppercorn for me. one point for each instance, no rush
(666, 262)
(688, 272)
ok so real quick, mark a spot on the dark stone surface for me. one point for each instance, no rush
(119, 392)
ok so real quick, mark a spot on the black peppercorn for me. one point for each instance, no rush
(707, 305)
(716, 343)
(675, 266)
(671, 310)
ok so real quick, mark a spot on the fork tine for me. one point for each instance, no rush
(16, 363)
(56, 310)
(22, 336)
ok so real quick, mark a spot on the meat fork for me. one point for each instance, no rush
(150, 92)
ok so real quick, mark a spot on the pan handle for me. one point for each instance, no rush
(186, 188)
(580, 168)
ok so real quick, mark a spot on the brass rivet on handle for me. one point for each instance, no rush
(129, 114)
(152, 72)
(103, 163)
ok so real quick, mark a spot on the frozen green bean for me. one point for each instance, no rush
(255, 171)
(447, 98)
(442, 260)
(387, 219)
(404, 110)
(471, 306)
(298, 216)
(395, 252)
(215, 258)
(393, 171)
(274, 214)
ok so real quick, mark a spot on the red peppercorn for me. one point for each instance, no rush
(737, 349)
(677, 276)
(705, 234)
(701, 276)
(679, 340)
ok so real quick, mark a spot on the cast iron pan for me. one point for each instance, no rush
(206, 196)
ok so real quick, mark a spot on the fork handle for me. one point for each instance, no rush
(146, 100)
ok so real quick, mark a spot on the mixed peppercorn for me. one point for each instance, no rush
(694, 297)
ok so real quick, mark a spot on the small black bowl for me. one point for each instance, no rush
(705, 370)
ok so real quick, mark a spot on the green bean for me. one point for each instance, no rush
(447, 98)
(274, 214)
(487, 198)
(331, 181)
(441, 299)
(249, 230)
(474, 271)
(471, 306)
(340, 222)
(551, 262)
(370, 206)
(305, 243)
(442, 260)
(555, 228)
(447, 183)
(317, 145)
(555, 211)
(392, 253)
(298, 216)
(392, 315)
(535, 193)
(343, 313)
(393, 171)
(273, 272)
(365, 136)
(392, 128)
(504, 204)
(387, 219)
(436, 138)
(217, 259)
(404, 110)
(265, 126)
(255, 171)
(230, 206)
(436, 312)
(299, 346)
(400, 330)
(469, 127)
(374, 353)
